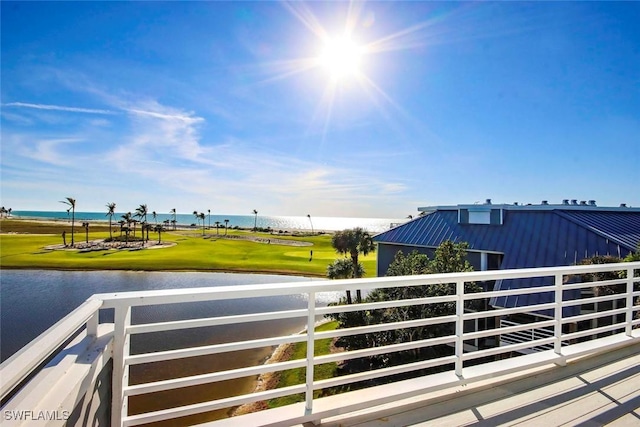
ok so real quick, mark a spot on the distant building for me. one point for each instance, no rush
(517, 236)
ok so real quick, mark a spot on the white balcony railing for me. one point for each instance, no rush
(619, 327)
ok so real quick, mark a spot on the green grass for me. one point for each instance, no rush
(297, 376)
(192, 252)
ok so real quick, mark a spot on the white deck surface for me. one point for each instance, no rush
(594, 391)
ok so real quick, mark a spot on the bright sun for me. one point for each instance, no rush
(341, 57)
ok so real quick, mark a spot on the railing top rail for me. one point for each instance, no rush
(139, 298)
(19, 366)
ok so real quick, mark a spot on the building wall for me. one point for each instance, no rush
(387, 252)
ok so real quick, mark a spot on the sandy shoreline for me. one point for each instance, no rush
(267, 381)
(270, 380)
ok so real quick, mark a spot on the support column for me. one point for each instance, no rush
(311, 322)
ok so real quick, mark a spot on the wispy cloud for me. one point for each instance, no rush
(160, 132)
(50, 151)
(186, 117)
(58, 108)
(159, 146)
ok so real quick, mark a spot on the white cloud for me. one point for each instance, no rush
(58, 108)
(158, 156)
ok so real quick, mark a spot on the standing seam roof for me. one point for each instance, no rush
(533, 238)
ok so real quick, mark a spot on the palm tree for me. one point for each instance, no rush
(141, 212)
(197, 215)
(86, 231)
(3, 211)
(353, 242)
(127, 219)
(155, 216)
(201, 216)
(145, 227)
(110, 213)
(226, 226)
(72, 207)
(121, 222)
(255, 223)
(209, 212)
(217, 228)
(174, 219)
(342, 268)
(309, 216)
(159, 229)
(134, 222)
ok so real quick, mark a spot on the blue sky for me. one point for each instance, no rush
(227, 105)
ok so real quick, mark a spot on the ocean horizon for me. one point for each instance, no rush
(276, 223)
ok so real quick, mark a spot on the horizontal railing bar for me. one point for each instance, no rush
(512, 292)
(392, 348)
(594, 331)
(211, 377)
(526, 309)
(383, 372)
(571, 286)
(160, 356)
(522, 336)
(507, 330)
(183, 411)
(357, 330)
(213, 321)
(21, 364)
(384, 304)
(166, 296)
(593, 300)
(507, 348)
(595, 315)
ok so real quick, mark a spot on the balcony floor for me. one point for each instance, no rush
(591, 391)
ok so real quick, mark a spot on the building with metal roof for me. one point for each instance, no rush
(506, 236)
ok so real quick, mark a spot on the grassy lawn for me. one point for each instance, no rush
(192, 252)
(297, 376)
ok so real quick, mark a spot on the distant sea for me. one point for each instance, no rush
(373, 225)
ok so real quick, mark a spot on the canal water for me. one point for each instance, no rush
(33, 300)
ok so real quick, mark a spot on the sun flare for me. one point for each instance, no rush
(341, 57)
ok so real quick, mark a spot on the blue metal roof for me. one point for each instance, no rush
(527, 238)
(620, 227)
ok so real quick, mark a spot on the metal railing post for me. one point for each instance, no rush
(629, 312)
(311, 322)
(557, 327)
(120, 378)
(459, 327)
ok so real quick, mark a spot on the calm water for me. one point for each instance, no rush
(33, 300)
(373, 225)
